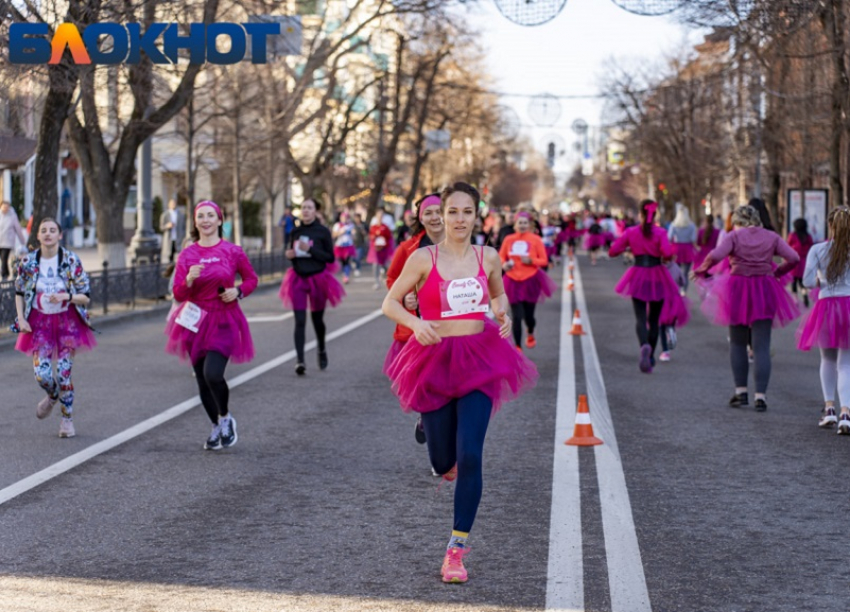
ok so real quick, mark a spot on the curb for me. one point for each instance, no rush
(110, 320)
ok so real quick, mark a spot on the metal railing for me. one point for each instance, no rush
(124, 286)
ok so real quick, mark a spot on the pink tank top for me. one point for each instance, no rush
(457, 299)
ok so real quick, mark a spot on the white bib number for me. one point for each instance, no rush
(190, 317)
(463, 296)
(520, 248)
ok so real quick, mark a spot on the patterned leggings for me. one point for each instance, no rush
(59, 386)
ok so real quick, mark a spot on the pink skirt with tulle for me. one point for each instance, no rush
(655, 284)
(223, 330)
(827, 325)
(345, 252)
(381, 257)
(392, 355)
(684, 253)
(319, 289)
(426, 378)
(53, 334)
(535, 289)
(741, 300)
(594, 241)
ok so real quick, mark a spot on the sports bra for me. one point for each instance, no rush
(458, 299)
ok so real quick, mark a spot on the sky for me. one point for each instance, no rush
(566, 56)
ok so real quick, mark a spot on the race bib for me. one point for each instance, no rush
(302, 247)
(380, 241)
(190, 316)
(462, 296)
(519, 248)
(43, 305)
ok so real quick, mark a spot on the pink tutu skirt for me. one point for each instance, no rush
(55, 333)
(379, 257)
(594, 241)
(392, 355)
(223, 330)
(652, 285)
(320, 289)
(535, 289)
(827, 325)
(551, 251)
(740, 300)
(426, 378)
(345, 252)
(701, 254)
(685, 253)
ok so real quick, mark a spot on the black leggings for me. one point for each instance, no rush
(4, 263)
(758, 336)
(318, 317)
(522, 311)
(209, 372)
(647, 330)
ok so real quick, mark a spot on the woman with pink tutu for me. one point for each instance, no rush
(208, 329)
(52, 292)
(311, 251)
(801, 241)
(750, 299)
(594, 239)
(654, 294)
(683, 235)
(344, 250)
(827, 326)
(523, 256)
(381, 247)
(459, 368)
(706, 240)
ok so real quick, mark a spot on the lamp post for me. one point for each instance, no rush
(144, 245)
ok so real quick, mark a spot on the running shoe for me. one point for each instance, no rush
(843, 424)
(530, 342)
(645, 363)
(519, 348)
(344, 280)
(751, 356)
(214, 441)
(451, 475)
(300, 368)
(738, 400)
(357, 274)
(323, 360)
(828, 418)
(419, 431)
(42, 411)
(664, 356)
(228, 432)
(66, 428)
(671, 338)
(761, 405)
(453, 570)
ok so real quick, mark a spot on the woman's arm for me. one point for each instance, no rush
(498, 300)
(323, 249)
(619, 245)
(415, 271)
(791, 257)
(719, 252)
(810, 276)
(246, 271)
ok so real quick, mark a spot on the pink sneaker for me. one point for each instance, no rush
(453, 570)
(451, 475)
(66, 429)
(44, 407)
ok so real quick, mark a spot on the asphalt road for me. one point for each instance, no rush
(327, 503)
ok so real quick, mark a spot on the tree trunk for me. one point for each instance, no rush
(190, 165)
(56, 106)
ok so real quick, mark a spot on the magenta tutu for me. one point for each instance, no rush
(224, 329)
(379, 257)
(426, 378)
(741, 300)
(392, 355)
(594, 241)
(321, 289)
(535, 289)
(827, 325)
(53, 333)
(684, 253)
(652, 285)
(343, 252)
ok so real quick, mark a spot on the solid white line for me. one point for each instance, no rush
(270, 319)
(626, 579)
(60, 467)
(565, 576)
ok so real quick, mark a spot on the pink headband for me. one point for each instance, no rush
(523, 215)
(212, 205)
(650, 211)
(431, 200)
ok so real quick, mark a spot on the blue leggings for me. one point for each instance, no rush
(455, 434)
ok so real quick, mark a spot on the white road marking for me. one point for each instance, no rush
(60, 467)
(270, 319)
(565, 579)
(627, 582)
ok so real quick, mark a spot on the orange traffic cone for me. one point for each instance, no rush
(577, 330)
(583, 432)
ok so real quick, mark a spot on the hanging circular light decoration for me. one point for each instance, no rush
(508, 121)
(530, 12)
(579, 126)
(650, 8)
(544, 109)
